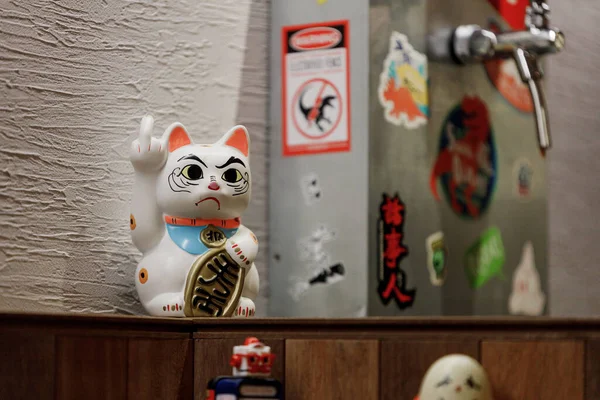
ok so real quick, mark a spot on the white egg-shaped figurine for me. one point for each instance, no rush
(455, 377)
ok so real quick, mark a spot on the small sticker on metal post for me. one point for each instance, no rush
(403, 84)
(485, 258)
(437, 258)
(522, 179)
(527, 297)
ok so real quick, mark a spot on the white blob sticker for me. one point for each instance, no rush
(403, 84)
(311, 189)
(320, 267)
(527, 297)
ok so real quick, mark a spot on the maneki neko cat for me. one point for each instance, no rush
(198, 259)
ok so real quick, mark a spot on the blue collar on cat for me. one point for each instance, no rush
(188, 237)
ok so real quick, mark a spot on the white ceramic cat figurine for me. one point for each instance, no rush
(527, 297)
(455, 377)
(180, 189)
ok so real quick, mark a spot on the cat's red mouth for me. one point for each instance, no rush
(213, 199)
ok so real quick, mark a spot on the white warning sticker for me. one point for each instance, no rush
(316, 96)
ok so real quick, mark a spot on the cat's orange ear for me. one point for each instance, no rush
(238, 138)
(176, 136)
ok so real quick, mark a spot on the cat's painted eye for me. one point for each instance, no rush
(232, 175)
(192, 172)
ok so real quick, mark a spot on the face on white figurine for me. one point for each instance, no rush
(252, 359)
(205, 181)
(455, 377)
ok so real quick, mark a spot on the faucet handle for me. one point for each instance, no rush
(537, 15)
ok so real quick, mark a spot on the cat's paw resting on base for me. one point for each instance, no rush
(245, 308)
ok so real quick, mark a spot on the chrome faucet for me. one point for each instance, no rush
(471, 44)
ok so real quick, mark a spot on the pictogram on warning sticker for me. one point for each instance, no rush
(316, 117)
(318, 110)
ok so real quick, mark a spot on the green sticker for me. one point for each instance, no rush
(485, 258)
(437, 258)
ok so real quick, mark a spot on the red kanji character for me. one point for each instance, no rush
(392, 211)
(392, 288)
(393, 248)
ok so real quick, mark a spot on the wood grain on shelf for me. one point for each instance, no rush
(160, 369)
(211, 359)
(592, 370)
(404, 363)
(200, 325)
(91, 368)
(535, 370)
(27, 366)
(332, 369)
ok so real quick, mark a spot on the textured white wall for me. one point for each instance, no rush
(75, 79)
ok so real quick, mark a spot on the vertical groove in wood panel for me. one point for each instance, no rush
(535, 369)
(212, 356)
(91, 368)
(404, 363)
(26, 366)
(592, 370)
(160, 369)
(332, 369)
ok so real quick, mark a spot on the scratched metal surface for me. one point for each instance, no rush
(75, 79)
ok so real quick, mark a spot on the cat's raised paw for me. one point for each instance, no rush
(147, 153)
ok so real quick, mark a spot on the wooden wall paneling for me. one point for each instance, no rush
(592, 370)
(332, 369)
(91, 368)
(535, 369)
(160, 369)
(404, 363)
(26, 366)
(211, 359)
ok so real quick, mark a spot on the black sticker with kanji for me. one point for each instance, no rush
(392, 250)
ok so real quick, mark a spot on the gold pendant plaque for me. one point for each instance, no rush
(212, 237)
(214, 285)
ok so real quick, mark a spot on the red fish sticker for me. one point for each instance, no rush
(392, 250)
(466, 160)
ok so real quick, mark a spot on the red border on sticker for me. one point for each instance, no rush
(331, 147)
